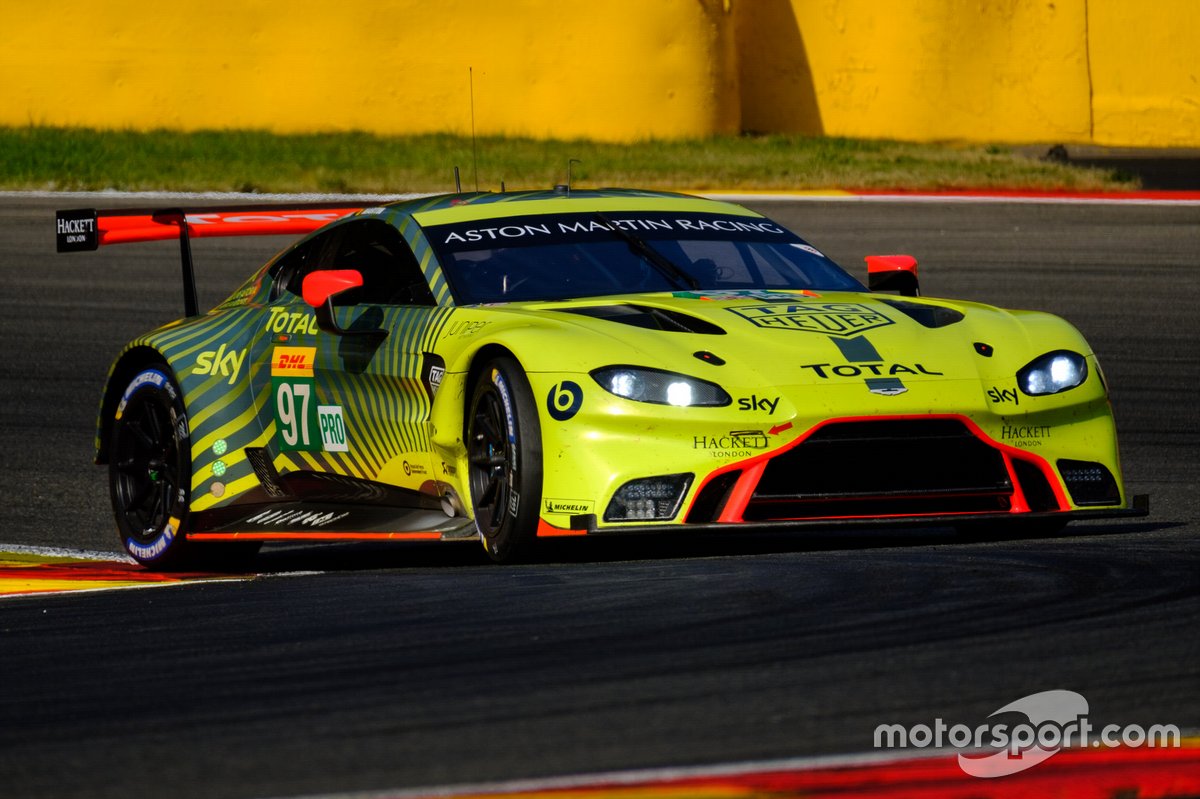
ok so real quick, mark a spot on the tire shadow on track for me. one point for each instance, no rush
(23, 575)
(666, 547)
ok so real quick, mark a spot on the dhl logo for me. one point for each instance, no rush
(293, 361)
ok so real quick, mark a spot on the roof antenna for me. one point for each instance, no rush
(569, 162)
(474, 153)
(457, 182)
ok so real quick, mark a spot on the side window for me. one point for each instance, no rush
(391, 274)
(288, 272)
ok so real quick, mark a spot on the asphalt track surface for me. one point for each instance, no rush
(363, 667)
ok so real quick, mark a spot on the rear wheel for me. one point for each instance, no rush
(149, 469)
(150, 475)
(504, 448)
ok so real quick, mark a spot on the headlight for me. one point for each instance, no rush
(642, 384)
(1052, 373)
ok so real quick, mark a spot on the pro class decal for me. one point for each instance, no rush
(333, 428)
(826, 318)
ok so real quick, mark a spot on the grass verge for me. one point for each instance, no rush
(72, 159)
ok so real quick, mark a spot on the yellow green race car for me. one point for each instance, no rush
(509, 366)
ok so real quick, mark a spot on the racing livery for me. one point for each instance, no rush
(508, 366)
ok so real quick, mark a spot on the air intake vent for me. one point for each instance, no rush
(650, 318)
(885, 467)
(931, 316)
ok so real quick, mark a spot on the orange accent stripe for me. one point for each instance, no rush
(314, 536)
(547, 530)
(743, 490)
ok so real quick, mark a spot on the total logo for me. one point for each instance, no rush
(282, 321)
(825, 370)
(220, 362)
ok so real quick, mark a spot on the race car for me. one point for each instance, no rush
(519, 365)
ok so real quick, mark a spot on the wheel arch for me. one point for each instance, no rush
(126, 367)
(478, 360)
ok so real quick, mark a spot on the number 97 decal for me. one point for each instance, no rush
(303, 425)
(292, 403)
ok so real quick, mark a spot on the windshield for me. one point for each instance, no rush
(562, 256)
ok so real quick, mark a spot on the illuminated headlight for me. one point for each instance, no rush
(1052, 373)
(659, 387)
(648, 499)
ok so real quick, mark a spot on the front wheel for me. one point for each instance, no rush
(504, 448)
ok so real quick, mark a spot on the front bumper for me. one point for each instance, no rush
(586, 524)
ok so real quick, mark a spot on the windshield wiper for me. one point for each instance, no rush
(652, 256)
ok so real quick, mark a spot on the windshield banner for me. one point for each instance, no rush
(543, 229)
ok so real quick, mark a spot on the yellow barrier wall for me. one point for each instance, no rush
(1108, 72)
(1111, 72)
(1145, 72)
(936, 69)
(607, 69)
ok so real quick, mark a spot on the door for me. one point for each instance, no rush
(348, 414)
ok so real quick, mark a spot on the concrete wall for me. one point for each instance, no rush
(1113, 72)
(605, 69)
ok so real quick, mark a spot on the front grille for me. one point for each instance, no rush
(883, 467)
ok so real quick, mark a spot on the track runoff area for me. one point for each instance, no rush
(1081, 768)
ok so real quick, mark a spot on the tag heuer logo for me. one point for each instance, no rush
(436, 373)
(830, 318)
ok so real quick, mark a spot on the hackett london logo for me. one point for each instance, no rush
(842, 319)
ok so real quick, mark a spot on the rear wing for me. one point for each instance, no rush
(86, 229)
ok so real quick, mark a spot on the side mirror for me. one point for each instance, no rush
(893, 273)
(319, 288)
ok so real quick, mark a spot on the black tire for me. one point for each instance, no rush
(150, 477)
(504, 447)
(150, 469)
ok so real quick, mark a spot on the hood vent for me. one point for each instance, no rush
(649, 318)
(928, 315)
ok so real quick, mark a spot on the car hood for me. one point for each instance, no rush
(793, 337)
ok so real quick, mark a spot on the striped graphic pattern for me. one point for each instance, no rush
(386, 407)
